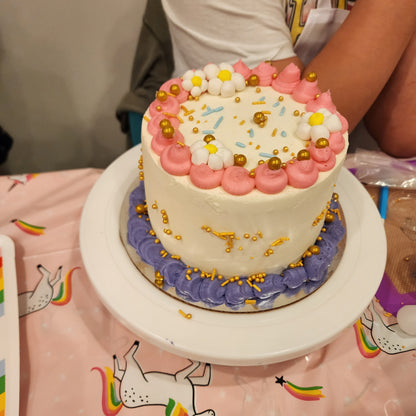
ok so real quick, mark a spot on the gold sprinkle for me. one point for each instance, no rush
(242, 122)
(146, 118)
(258, 102)
(185, 315)
(274, 132)
(178, 237)
(180, 143)
(257, 288)
(250, 301)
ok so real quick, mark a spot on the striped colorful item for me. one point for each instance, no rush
(110, 403)
(65, 290)
(175, 409)
(2, 387)
(366, 347)
(29, 228)
(304, 393)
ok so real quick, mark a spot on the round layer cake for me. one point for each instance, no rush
(239, 167)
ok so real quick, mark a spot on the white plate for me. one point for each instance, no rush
(222, 338)
(9, 329)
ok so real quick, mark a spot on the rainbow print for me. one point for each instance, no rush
(1, 286)
(110, 403)
(2, 387)
(175, 409)
(29, 228)
(65, 290)
(301, 393)
(366, 347)
(21, 179)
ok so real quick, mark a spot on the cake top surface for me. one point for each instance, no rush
(243, 128)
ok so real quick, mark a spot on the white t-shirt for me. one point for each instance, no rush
(226, 31)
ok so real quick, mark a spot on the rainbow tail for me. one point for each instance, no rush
(175, 409)
(303, 393)
(110, 403)
(366, 347)
(28, 228)
(65, 290)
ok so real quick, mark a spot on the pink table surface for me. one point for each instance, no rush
(68, 338)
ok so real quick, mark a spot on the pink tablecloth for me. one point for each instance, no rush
(68, 339)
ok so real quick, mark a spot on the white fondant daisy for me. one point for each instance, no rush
(214, 154)
(318, 125)
(223, 80)
(195, 82)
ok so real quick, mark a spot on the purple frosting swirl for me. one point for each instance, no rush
(194, 288)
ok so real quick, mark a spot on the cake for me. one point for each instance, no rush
(235, 207)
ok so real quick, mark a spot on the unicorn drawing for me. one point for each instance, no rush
(389, 338)
(42, 295)
(174, 391)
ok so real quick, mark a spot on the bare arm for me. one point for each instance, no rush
(361, 57)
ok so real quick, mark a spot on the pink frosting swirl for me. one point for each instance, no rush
(153, 126)
(302, 173)
(202, 176)
(159, 142)
(305, 91)
(171, 106)
(176, 159)
(265, 73)
(182, 96)
(287, 80)
(242, 69)
(324, 100)
(324, 157)
(270, 181)
(344, 123)
(336, 142)
(237, 181)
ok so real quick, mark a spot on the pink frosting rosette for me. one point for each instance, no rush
(323, 156)
(302, 173)
(202, 176)
(323, 100)
(153, 126)
(160, 142)
(305, 91)
(182, 96)
(265, 72)
(336, 142)
(237, 181)
(176, 159)
(170, 106)
(242, 69)
(270, 181)
(287, 80)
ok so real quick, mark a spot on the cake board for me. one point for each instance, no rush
(217, 337)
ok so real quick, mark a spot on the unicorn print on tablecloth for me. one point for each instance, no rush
(21, 179)
(390, 339)
(43, 294)
(176, 392)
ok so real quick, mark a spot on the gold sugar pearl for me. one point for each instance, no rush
(258, 89)
(281, 98)
(253, 80)
(321, 143)
(311, 77)
(191, 118)
(162, 96)
(175, 89)
(296, 113)
(303, 155)
(259, 117)
(209, 138)
(329, 217)
(252, 173)
(237, 99)
(285, 149)
(168, 132)
(141, 209)
(246, 235)
(195, 130)
(314, 249)
(260, 162)
(275, 152)
(274, 163)
(240, 160)
(164, 123)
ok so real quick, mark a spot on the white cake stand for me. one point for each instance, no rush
(230, 338)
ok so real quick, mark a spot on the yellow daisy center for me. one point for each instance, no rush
(196, 81)
(315, 119)
(211, 148)
(224, 75)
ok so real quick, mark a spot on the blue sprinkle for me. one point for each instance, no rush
(283, 133)
(208, 131)
(262, 154)
(239, 144)
(262, 99)
(218, 122)
(212, 110)
(282, 111)
(251, 133)
(276, 104)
